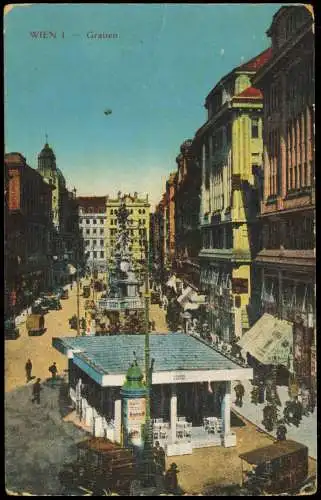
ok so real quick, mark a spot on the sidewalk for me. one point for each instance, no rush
(306, 433)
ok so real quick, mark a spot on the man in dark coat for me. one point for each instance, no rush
(281, 431)
(171, 483)
(239, 391)
(36, 391)
(28, 368)
(53, 370)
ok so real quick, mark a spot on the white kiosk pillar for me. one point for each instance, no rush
(173, 413)
(117, 420)
(229, 439)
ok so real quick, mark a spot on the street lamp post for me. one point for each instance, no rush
(148, 459)
(77, 278)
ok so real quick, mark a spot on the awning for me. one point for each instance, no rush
(270, 340)
(198, 299)
(172, 282)
(191, 306)
(182, 299)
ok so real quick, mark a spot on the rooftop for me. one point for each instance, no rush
(172, 352)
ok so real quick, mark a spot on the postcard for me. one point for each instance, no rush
(159, 249)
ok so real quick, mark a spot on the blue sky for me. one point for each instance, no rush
(154, 76)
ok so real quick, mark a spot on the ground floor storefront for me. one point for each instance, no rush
(288, 292)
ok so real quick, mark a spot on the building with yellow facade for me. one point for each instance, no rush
(230, 145)
(138, 226)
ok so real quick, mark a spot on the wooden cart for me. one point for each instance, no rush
(35, 324)
(100, 465)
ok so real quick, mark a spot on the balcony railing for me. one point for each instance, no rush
(119, 304)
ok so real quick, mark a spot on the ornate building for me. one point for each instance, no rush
(28, 231)
(231, 158)
(66, 243)
(285, 266)
(187, 207)
(92, 225)
(170, 220)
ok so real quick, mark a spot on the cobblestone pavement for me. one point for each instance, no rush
(37, 441)
(39, 349)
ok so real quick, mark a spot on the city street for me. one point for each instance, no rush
(39, 349)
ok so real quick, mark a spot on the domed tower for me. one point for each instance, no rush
(47, 168)
(47, 163)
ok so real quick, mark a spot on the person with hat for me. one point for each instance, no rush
(171, 483)
(53, 370)
(239, 392)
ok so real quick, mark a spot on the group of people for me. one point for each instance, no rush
(36, 389)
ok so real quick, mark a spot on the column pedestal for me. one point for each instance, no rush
(173, 412)
(117, 420)
(228, 438)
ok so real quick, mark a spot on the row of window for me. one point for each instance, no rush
(299, 151)
(89, 221)
(94, 231)
(298, 234)
(87, 243)
(217, 237)
(95, 254)
(131, 211)
(114, 222)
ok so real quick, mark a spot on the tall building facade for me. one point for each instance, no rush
(187, 208)
(285, 265)
(231, 158)
(28, 232)
(60, 206)
(138, 221)
(160, 237)
(92, 226)
(170, 220)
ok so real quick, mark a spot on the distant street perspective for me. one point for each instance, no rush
(160, 317)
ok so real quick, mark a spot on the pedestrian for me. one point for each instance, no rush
(80, 284)
(28, 370)
(53, 370)
(159, 458)
(165, 302)
(281, 431)
(36, 391)
(171, 482)
(261, 392)
(239, 391)
(71, 285)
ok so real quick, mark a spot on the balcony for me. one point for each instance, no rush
(120, 304)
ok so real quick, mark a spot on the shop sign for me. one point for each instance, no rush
(136, 410)
(14, 191)
(240, 285)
